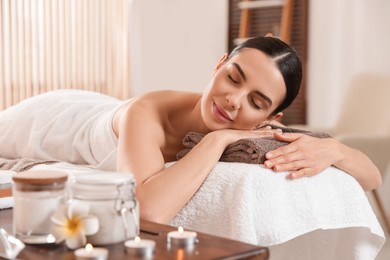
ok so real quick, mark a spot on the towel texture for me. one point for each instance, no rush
(65, 125)
(249, 150)
(327, 216)
(19, 165)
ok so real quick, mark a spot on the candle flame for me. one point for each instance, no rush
(88, 247)
(137, 239)
(180, 229)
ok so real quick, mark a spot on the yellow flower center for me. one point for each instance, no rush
(73, 226)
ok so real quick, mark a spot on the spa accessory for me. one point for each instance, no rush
(181, 238)
(111, 198)
(72, 223)
(141, 248)
(21, 165)
(91, 253)
(37, 194)
(247, 150)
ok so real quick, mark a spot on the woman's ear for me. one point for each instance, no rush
(272, 119)
(220, 63)
(277, 116)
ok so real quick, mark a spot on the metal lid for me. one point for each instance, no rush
(40, 177)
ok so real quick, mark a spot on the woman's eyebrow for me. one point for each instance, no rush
(239, 70)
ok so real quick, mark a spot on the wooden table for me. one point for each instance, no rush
(208, 247)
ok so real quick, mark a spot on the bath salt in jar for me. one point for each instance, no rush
(37, 194)
(111, 198)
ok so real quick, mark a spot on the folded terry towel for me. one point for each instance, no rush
(19, 165)
(248, 150)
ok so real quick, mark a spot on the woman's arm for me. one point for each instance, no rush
(163, 192)
(308, 156)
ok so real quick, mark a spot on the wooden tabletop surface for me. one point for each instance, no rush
(208, 247)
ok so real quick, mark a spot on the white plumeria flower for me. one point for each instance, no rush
(72, 223)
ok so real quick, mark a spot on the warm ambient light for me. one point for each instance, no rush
(182, 238)
(88, 247)
(140, 248)
(91, 253)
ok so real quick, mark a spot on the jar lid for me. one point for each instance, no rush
(40, 177)
(103, 186)
(103, 178)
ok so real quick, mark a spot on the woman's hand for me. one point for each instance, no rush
(304, 156)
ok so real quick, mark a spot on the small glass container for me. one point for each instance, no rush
(111, 198)
(37, 194)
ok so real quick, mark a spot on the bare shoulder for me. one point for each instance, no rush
(154, 107)
(148, 125)
(162, 103)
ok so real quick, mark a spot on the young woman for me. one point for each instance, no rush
(249, 88)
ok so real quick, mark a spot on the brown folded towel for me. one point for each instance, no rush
(249, 150)
(19, 165)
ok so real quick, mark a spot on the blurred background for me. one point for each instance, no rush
(128, 47)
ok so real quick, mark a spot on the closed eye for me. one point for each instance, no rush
(231, 78)
(255, 104)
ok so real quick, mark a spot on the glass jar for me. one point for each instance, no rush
(37, 194)
(111, 198)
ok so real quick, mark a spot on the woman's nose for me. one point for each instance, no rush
(234, 100)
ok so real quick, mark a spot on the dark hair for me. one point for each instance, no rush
(286, 59)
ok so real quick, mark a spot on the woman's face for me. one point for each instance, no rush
(243, 92)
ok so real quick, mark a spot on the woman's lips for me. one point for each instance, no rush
(221, 114)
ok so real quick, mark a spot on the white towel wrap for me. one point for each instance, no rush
(66, 125)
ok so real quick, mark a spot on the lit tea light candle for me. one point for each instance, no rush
(91, 253)
(138, 247)
(181, 237)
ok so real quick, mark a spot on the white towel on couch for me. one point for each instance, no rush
(323, 217)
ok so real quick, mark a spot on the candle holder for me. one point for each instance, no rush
(91, 253)
(140, 248)
(181, 238)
